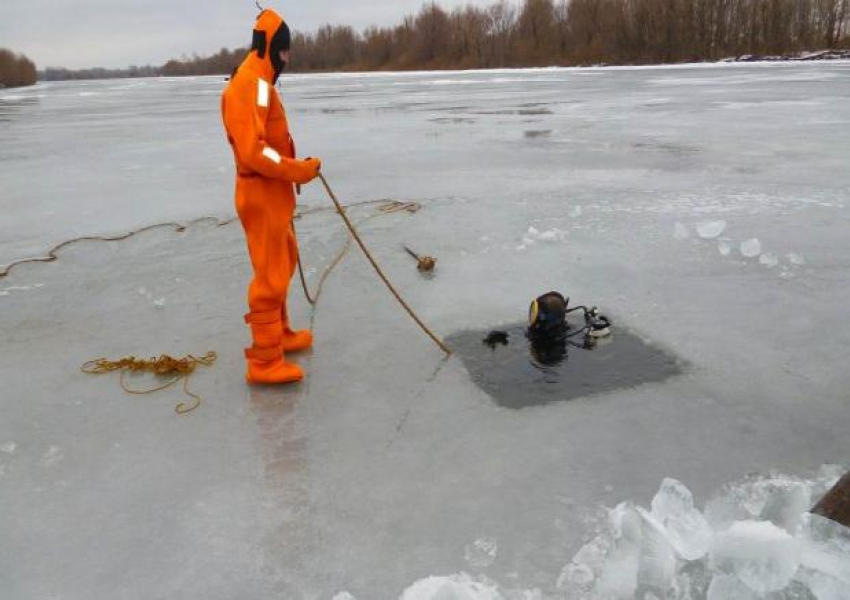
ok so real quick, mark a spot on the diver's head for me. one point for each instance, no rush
(547, 315)
(271, 40)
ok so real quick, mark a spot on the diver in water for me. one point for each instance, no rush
(549, 332)
(547, 328)
(266, 174)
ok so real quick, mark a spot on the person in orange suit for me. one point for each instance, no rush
(266, 172)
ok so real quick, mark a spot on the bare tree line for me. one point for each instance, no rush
(60, 74)
(556, 32)
(16, 69)
(573, 32)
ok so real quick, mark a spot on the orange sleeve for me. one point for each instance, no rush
(244, 119)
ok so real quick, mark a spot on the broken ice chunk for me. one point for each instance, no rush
(824, 587)
(577, 574)
(576, 212)
(769, 260)
(796, 259)
(687, 529)
(727, 587)
(344, 596)
(759, 553)
(588, 561)
(724, 247)
(159, 303)
(826, 550)
(709, 230)
(657, 562)
(680, 232)
(786, 506)
(9, 447)
(619, 576)
(751, 248)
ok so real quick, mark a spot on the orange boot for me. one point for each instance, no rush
(294, 341)
(266, 362)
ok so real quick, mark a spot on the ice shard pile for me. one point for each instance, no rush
(754, 540)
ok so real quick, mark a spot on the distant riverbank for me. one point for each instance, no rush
(186, 69)
(800, 57)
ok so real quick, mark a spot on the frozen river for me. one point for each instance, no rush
(706, 209)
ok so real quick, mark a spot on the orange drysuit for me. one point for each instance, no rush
(266, 169)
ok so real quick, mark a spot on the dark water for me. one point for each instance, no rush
(520, 374)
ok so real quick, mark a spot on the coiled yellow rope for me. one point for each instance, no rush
(164, 366)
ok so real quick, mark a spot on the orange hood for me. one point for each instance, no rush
(271, 35)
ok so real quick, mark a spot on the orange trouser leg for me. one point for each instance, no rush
(265, 218)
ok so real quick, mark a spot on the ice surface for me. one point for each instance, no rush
(387, 462)
(709, 230)
(751, 248)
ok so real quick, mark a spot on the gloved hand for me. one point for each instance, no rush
(310, 168)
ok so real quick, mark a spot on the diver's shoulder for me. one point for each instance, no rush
(248, 79)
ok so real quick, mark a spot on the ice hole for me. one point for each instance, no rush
(518, 374)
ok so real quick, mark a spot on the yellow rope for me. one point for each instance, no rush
(164, 366)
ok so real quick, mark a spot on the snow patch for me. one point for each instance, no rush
(21, 288)
(53, 455)
(534, 235)
(455, 587)
(482, 552)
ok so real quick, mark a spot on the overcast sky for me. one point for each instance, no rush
(120, 33)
